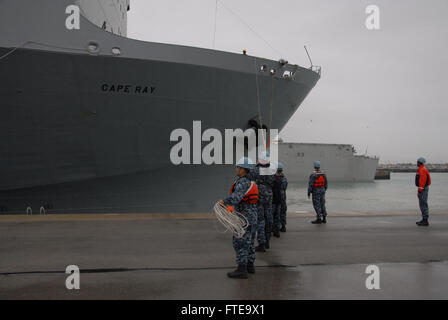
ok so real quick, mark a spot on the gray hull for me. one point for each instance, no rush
(72, 142)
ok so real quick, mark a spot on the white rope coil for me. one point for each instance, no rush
(234, 222)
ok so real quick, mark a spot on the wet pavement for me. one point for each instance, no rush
(187, 257)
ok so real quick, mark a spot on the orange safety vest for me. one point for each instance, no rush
(320, 181)
(423, 178)
(251, 195)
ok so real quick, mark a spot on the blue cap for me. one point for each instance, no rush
(316, 164)
(245, 163)
(421, 160)
(280, 166)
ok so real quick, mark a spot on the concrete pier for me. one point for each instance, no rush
(187, 257)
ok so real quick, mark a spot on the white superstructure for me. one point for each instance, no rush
(111, 15)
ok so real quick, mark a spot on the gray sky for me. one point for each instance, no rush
(383, 90)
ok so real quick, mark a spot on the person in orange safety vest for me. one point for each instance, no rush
(317, 187)
(422, 182)
(244, 199)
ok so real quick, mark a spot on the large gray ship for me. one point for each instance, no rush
(339, 161)
(86, 114)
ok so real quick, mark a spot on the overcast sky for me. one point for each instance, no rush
(383, 91)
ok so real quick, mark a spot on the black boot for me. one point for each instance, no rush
(239, 273)
(260, 248)
(423, 223)
(324, 220)
(283, 229)
(267, 245)
(251, 268)
(317, 221)
(277, 233)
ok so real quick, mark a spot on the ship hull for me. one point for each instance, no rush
(73, 142)
(86, 115)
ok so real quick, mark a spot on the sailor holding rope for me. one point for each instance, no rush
(243, 199)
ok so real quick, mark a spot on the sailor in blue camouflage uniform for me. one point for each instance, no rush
(265, 182)
(244, 199)
(279, 201)
(317, 186)
(284, 208)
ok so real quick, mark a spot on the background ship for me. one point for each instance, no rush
(86, 115)
(339, 161)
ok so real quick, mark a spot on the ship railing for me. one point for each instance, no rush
(317, 69)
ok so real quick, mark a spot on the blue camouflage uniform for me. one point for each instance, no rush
(279, 200)
(265, 217)
(244, 247)
(284, 206)
(318, 194)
